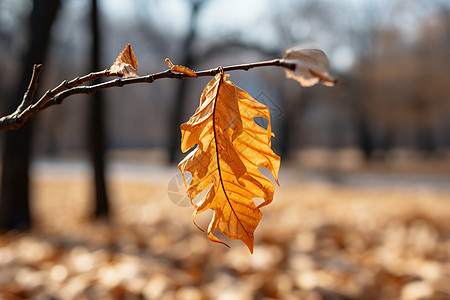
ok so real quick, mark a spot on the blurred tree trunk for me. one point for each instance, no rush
(96, 128)
(364, 138)
(14, 201)
(186, 60)
(293, 106)
(287, 122)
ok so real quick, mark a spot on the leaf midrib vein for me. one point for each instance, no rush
(217, 156)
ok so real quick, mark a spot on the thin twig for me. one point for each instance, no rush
(32, 87)
(66, 88)
(67, 85)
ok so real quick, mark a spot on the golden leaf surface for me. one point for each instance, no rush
(180, 69)
(126, 64)
(230, 148)
(311, 67)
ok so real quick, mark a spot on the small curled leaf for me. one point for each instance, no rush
(180, 69)
(169, 63)
(126, 64)
(311, 66)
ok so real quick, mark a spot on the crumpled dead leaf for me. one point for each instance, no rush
(180, 69)
(126, 64)
(231, 147)
(311, 66)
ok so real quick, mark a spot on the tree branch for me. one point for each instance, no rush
(27, 108)
(32, 87)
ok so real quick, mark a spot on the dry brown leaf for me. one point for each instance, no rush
(126, 64)
(180, 69)
(311, 67)
(231, 147)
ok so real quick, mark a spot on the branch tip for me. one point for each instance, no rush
(38, 67)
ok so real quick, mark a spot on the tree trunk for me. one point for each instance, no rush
(96, 129)
(14, 201)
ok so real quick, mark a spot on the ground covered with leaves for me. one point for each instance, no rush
(317, 240)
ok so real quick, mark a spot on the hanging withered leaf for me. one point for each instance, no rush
(311, 67)
(126, 64)
(180, 69)
(230, 148)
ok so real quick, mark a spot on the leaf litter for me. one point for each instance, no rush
(317, 241)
